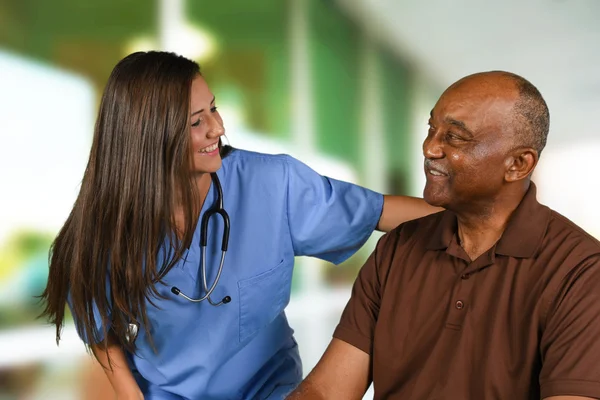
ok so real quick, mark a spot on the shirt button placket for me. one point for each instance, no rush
(458, 304)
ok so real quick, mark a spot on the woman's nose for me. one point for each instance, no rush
(216, 128)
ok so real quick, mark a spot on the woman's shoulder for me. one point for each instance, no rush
(276, 170)
(258, 174)
(254, 156)
(237, 158)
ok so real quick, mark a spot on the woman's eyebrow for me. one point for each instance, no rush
(199, 111)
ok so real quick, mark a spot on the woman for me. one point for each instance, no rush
(128, 260)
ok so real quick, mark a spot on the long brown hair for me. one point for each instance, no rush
(104, 259)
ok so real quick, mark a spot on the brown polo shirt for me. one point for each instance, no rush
(522, 321)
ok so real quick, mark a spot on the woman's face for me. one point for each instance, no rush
(206, 128)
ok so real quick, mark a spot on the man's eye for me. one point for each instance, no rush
(452, 136)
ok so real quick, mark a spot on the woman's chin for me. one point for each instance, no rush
(209, 165)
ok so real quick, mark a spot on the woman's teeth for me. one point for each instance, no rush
(210, 148)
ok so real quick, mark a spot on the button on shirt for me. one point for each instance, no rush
(279, 208)
(522, 321)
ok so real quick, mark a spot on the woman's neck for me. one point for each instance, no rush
(202, 182)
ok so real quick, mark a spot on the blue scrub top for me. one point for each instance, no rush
(279, 208)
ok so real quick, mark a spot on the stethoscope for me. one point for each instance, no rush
(217, 208)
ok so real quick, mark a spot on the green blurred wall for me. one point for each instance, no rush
(253, 42)
(252, 65)
(84, 36)
(335, 57)
(395, 79)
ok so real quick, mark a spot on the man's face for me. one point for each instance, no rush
(468, 142)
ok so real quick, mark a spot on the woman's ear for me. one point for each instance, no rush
(520, 164)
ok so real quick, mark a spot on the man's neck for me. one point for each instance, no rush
(479, 230)
(478, 234)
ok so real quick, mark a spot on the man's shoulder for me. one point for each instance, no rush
(566, 251)
(566, 232)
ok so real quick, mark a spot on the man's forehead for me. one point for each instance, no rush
(484, 86)
(475, 104)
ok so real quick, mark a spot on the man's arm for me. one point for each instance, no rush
(399, 209)
(342, 373)
(569, 345)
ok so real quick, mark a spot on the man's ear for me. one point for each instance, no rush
(520, 164)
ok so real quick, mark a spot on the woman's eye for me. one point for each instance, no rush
(214, 109)
(196, 123)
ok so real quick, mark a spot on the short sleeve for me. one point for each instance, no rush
(328, 218)
(570, 343)
(357, 324)
(100, 327)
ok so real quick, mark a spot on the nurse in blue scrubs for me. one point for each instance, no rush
(128, 260)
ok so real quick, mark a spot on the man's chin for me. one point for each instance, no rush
(434, 198)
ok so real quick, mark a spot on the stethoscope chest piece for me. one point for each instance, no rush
(132, 332)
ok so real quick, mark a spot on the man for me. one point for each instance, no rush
(498, 297)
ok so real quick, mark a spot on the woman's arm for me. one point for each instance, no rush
(120, 376)
(399, 209)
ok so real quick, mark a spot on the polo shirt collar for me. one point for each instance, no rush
(523, 234)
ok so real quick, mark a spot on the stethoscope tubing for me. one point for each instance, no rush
(217, 208)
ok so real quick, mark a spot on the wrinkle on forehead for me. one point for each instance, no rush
(485, 105)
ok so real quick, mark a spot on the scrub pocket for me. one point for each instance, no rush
(263, 297)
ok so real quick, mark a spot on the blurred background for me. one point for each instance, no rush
(344, 85)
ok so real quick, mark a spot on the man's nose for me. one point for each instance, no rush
(432, 147)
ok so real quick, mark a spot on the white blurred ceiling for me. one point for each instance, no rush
(553, 43)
